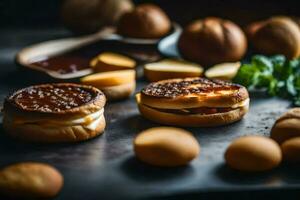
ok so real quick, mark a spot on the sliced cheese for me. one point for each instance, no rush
(116, 59)
(171, 68)
(85, 121)
(241, 104)
(106, 79)
(92, 126)
(225, 71)
(88, 119)
(108, 61)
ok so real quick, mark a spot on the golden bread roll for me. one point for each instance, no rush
(278, 35)
(287, 126)
(211, 41)
(30, 180)
(291, 150)
(166, 146)
(83, 16)
(145, 21)
(253, 153)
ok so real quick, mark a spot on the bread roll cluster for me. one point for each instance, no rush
(213, 40)
(260, 153)
(277, 35)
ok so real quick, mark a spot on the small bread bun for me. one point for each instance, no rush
(84, 17)
(145, 21)
(211, 41)
(62, 112)
(287, 126)
(291, 150)
(253, 154)
(108, 61)
(115, 85)
(30, 180)
(166, 146)
(193, 102)
(278, 35)
(223, 71)
(171, 68)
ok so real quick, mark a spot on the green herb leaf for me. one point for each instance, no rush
(281, 77)
(263, 63)
(290, 85)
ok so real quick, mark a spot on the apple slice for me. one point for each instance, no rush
(107, 79)
(224, 71)
(171, 68)
(109, 61)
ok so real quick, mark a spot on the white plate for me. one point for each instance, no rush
(56, 47)
(168, 45)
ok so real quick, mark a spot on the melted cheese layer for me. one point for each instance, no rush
(90, 121)
(241, 104)
(206, 110)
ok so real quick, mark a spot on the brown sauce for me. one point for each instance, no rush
(71, 61)
(52, 97)
(63, 64)
(79, 59)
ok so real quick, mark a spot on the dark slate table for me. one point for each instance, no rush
(105, 167)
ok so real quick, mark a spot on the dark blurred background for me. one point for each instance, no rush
(46, 13)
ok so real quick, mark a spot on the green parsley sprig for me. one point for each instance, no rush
(280, 76)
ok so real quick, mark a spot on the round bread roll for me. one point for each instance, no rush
(83, 16)
(291, 150)
(30, 181)
(287, 126)
(212, 41)
(145, 21)
(166, 146)
(278, 35)
(253, 153)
